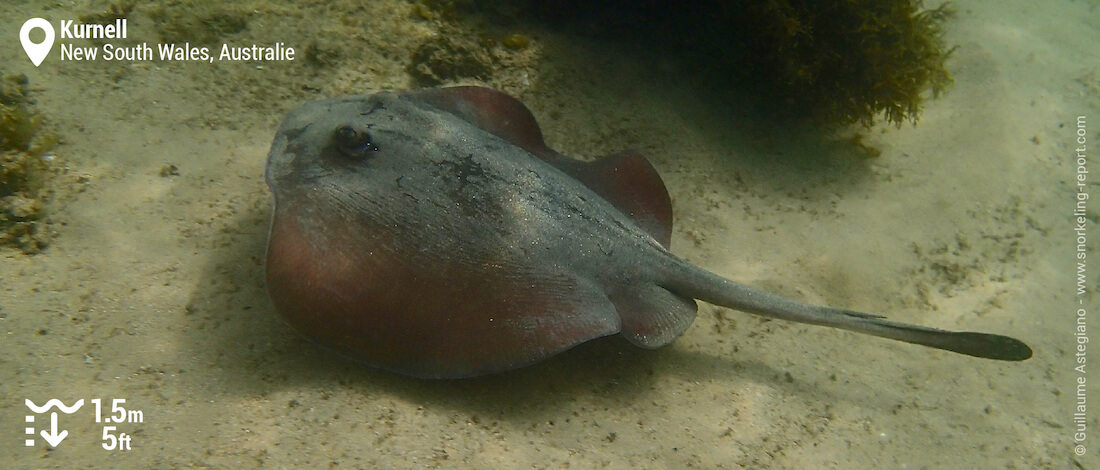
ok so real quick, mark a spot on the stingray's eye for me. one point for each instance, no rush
(352, 142)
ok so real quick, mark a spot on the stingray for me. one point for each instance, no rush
(433, 233)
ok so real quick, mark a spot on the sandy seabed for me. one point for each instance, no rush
(153, 291)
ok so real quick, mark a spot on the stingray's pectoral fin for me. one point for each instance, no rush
(652, 316)
(984, 345)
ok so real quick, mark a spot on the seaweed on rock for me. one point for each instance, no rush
(23, 170)
(837, 62)
(854, 60)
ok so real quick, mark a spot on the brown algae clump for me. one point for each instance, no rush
(834, 62)
(23, 170)
(854, 60)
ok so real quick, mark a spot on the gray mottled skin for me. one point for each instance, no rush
(436, 194)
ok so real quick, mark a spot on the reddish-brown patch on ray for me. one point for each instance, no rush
(353, 292)
(627, 180)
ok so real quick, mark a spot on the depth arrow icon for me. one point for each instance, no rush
(53, 438)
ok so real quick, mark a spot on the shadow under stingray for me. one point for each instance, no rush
(243, 348)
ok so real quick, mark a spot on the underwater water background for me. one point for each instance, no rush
(152, 288)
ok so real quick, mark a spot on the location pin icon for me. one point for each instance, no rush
(37, 52)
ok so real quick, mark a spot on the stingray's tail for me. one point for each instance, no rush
(700, 284)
